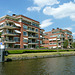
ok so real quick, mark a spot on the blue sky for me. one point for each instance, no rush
(50, 13)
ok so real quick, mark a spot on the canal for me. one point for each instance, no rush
(46, 66)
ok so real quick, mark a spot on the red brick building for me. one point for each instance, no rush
(18, 31)
(56, 37)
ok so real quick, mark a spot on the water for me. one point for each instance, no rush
(46, 66)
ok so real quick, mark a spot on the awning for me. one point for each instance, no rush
(52, 39)
(26, 38)
(54, 46)
(17, 31)
(25, 44)
(1, 31)
(1, 23)
(17, 25)
(55, 39)
(40, 36)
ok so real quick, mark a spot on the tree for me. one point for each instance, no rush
(73, 44)
(65, 44)
(0, 34)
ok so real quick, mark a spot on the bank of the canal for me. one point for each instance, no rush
(38, 55)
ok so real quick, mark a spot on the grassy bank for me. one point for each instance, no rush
(38, 55)
(35, 51)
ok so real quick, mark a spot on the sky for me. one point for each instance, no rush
(50, 13)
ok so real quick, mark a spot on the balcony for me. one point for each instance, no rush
(9, 34)
(33, 31)
(30, 42)
(33, 37)
(9, 41)
(7, 26)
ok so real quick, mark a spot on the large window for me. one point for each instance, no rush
(16, 39)
(25, 27)
(25, 33)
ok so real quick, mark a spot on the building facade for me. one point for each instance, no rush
(18, 31)
(56, 37)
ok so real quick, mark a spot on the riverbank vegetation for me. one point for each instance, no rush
(38, 55)
(36, 51)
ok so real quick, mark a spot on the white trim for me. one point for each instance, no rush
(1, 30)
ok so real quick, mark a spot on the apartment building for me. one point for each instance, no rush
(56, 37)
(18, 31)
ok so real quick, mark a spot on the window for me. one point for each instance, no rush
(40, 42)
(41, 32)
(25, 33)
(36, 30)
(36, 35)
(50, 43)
(25, 27)
(16, 39)
(25, 40)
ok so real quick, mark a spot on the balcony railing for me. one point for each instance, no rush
(30, 42)
(30, 30)
(8, 33)
(31, 36)
(8, 41)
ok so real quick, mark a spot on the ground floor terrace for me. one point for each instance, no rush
(11, 45)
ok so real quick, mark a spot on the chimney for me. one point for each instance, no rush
(13, 15)
(53, 29)
(57, 28)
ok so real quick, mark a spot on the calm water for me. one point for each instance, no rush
(47, 66)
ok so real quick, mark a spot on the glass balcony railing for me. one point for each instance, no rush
(32, 30)
(32, 42)
(7, 33)
(8, 40)
(7, 25)
(32, 36)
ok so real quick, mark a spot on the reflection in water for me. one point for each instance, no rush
(47, 66)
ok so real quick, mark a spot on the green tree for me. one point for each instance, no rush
(0, 34)
(73, 44)
(65, 44)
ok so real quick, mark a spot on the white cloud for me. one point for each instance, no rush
(33, 9)
(46, 23)
(73, 33)
(41, 3)
(68, 28)
(65, 10)
(9, 12)
(73, 25)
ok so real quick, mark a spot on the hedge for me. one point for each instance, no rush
(34, 51)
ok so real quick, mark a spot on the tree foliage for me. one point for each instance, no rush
(73, 44)
(65, 44)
